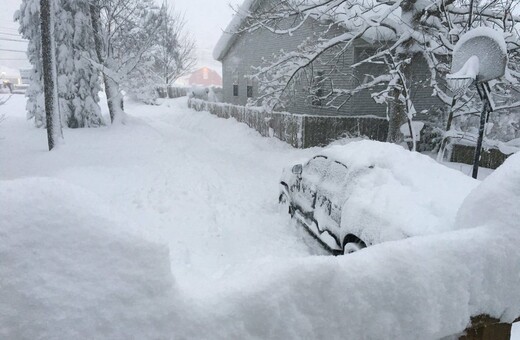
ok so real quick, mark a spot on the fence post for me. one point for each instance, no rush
(484, 327)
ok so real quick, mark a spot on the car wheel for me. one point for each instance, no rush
(285, 203)
(352, 243)
(351, 248)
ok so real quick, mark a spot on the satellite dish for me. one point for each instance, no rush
(489, 46)
(480, 56)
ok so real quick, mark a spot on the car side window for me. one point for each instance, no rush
(316, 168)
(336, 173)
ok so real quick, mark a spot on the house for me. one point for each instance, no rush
(240, 52)
(205, 77)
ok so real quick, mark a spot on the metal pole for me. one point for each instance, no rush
(483, 117)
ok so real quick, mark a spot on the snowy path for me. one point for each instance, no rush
(205, 186)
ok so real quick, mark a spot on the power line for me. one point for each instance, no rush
(9, 39)
(8, 28)
(12, 34)
(6, 50)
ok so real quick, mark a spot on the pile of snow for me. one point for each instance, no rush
(496, 200)
(68, 270)
(417, 288)
(68, 273)
(404, 194)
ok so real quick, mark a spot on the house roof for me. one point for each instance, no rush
(229, 36)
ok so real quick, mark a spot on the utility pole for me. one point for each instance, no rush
(49, 75)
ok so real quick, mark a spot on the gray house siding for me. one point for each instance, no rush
(257, 47)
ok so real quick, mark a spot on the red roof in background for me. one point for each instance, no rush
(205, 77)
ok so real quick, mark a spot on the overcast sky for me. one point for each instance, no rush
(205, 19)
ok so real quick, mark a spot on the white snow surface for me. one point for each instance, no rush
(67, 269)
(73, 262)
(492, 202)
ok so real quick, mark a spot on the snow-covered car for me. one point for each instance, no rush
(363, 193)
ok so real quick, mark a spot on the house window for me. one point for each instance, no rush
(235, 90)
(249, 89)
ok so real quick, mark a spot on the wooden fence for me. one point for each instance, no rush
(301, 131)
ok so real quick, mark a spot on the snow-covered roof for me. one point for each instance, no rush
(229, 36)
(372, 35)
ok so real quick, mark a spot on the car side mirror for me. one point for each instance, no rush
(297, 169)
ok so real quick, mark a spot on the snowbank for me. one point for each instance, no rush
(417, 288)
(496, 200)
(68, 271)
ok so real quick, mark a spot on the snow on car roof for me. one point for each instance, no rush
(405, 194)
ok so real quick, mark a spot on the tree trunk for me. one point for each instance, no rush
(396, 118)
(114, 100)
(53, 120)
(112, 91)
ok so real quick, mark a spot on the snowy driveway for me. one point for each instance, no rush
(206, 186)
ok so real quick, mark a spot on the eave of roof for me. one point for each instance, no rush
(229, 36)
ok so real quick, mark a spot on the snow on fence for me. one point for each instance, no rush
(491, 158)
(172, 92)
(301, 131)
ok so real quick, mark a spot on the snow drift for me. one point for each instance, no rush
(418, 288)
(69, 272)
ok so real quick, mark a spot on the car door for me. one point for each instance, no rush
(312, 174)
(330, 192)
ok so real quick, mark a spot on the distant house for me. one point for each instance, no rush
(205, 77)
(240, 52)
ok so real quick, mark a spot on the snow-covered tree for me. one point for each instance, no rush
(78, 81)
(170, 57)
(124, 33)
(402, 31)
(29, 19)
(173, 53)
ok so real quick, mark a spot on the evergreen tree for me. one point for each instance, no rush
(29, 19)
(77, 82)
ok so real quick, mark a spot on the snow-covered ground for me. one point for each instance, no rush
(207, 188)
